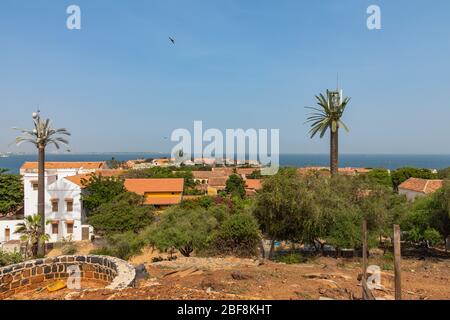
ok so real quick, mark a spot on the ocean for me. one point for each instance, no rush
(14, 162)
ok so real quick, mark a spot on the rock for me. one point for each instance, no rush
(141, 272)
(237, 275)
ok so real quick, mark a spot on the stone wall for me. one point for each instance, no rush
(116, 274)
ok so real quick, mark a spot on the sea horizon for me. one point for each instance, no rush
(388, 161)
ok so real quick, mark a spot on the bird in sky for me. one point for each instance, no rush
(172, 40)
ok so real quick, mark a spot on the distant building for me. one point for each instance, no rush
(252, 186)
(157, 192)
(415, 187)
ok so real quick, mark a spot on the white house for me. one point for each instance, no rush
(415, 187)
(64, 213)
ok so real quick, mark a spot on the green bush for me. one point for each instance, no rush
(292, 258)
(7, 258)
(186, 230)
(122, 246)
(239, 235)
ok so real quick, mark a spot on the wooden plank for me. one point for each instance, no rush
(397, 263)
(364, 257)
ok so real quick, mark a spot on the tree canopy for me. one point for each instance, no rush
(100, 190)
(235, 186)
(11, 192)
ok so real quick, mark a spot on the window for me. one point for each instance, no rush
(69, 228)
(69, 205)
(55, 228)
(35, 185)
(55, 205)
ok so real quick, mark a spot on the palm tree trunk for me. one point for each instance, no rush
(41, 196)
(334, 151)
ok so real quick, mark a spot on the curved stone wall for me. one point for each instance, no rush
(115, 273)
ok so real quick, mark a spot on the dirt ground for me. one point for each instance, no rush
(233, 278)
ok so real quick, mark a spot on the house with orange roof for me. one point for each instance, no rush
(415, 187)
(64, 212)
(157, 192)
(252, 186)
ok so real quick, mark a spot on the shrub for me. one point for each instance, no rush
(124, 213)
(292, 258)
(184, 229)
(235, 186)
(122, 246)
(7, 258)
(239, 235)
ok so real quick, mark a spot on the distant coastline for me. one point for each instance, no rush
(389, 161)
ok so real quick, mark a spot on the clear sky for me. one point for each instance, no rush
(118, 84)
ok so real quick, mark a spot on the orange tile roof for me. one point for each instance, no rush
(422, 185)
(254, 184)
(161, 201)
(104, 173)
(202, 174)
(217, 181)
(142, 186)
(246, 171)
(64, 165)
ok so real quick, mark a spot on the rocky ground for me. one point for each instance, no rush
(233, 278)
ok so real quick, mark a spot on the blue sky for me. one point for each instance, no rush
(120, 85)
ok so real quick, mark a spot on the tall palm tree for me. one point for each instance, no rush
(41, 136)
(31, 234)
(328, 116)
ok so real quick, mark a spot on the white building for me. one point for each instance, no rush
(64, 213)
(415, 187)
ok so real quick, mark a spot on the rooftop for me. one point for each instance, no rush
(64, 165)
(143, 186)
(422, 185)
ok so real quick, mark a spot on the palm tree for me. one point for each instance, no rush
(41, 136)
(30, 231)
(328, 116)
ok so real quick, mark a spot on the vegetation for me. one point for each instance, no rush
(291, 258)
(42, 136)
(7, 258)
(100, 191)
(402, 174)
(238, 235)
(381, 177)
(185, 229)
(235, 186)
(320, 210)
(114, 163)
(31, 234)
(429, 220)
(122, 245)
(11, 192)
(124, 213)
(444, 174)
(329, 116)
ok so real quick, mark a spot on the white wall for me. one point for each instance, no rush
(11, 225)
(56, 188)
(410, 195)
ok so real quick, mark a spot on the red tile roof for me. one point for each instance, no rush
(254, 184)
(202, 174)
(217, 181)
(422, 185)
(104, 173)
(142, 186)
(64, 165)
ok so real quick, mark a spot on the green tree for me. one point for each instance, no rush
(329, 116)
(402, 174)
(235, 186)
(238, 235)
(42, 136)
(381, 177)
(183, 229)
(100, 190)
(126, 212)
(31, 234)
(11, 192)
(444, 174)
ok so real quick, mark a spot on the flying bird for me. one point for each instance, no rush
(172, 40)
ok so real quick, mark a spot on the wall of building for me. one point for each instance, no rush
(11, 225)
(410, 194)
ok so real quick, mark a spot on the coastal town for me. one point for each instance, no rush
(224, 156)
